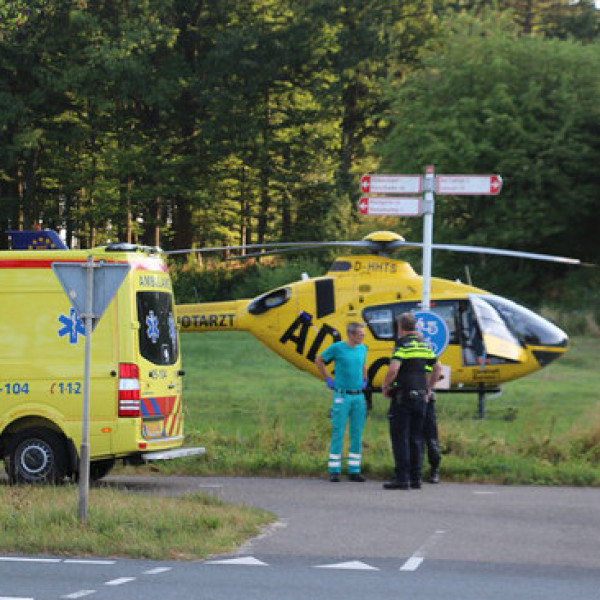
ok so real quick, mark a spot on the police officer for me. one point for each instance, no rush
(348, 399)
(408, 383)
(430, 437)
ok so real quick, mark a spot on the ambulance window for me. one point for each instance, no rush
(158, 330)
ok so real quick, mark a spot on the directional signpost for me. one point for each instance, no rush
(377, 205)
(90, 287)
(468, 185)
(391, 184)
(390, 206)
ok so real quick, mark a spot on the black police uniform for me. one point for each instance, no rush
(407, 408)
(430, 437)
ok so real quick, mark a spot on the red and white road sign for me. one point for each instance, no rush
(391, 184)
(467, 185)
(390, 206)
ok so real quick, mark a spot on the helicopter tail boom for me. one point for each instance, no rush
(212, 316)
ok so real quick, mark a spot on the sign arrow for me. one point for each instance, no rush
(363, 206)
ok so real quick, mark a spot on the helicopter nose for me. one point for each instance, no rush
(545, 357)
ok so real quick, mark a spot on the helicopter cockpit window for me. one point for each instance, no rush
(381, 320)
(341, 265)
(528, 327)
(263, 303)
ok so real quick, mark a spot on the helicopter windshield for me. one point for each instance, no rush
(523, 323)
(489, 329)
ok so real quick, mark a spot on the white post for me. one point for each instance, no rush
(428, 210)
(84, 455)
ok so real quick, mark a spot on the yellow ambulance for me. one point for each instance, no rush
(136, 410)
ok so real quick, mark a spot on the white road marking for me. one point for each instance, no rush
(56, 560)
(415, 561)
(81, 561)
(79, 594)
(24, 559)
(353, 564)
(244, 560)
(412, 564)
(483, 493)
(119, 581)
(14, 598)
(157, 570)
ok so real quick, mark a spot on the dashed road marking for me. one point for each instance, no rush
(412, 564)
(119, 581)
(79, 594)
(415, 561)
(157, 570)
(26, 559)
(82, 561)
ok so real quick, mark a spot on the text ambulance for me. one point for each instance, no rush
(136, 408)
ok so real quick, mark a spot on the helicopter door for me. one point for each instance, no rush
(497, 338)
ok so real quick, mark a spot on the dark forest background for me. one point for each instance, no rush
(191, 123)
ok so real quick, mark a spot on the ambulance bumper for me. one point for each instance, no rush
(170, 454)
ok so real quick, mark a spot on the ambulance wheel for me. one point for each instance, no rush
(36, 455)
(100, 468)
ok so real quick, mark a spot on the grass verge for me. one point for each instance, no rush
(43, 520)
(257, 415)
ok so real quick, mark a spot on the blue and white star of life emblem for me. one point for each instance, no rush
(72, 325)
(172, 329)
(152, 331)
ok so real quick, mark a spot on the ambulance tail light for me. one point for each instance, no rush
(129, 390)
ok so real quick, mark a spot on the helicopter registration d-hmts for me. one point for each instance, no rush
(492, 340)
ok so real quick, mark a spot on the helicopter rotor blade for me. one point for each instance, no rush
(274, 245)
(512, 253)
(267, 253)
(377, 247)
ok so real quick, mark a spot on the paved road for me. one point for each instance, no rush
(542, 526)
(351, 541)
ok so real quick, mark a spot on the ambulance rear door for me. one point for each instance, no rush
(160, 372)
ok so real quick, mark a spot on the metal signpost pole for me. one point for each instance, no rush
(428, 209)
(84, 457)
(90, 287)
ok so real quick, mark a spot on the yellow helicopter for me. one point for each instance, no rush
(489, 340)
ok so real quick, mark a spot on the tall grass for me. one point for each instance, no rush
(44, 519)
(257, 415)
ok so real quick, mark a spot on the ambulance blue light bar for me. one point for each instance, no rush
(45, 239)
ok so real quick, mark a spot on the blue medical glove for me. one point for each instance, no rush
(329, 382)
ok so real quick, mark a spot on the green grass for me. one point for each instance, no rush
(258, 415)
(44, 520)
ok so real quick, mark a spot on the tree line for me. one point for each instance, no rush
(186, 123)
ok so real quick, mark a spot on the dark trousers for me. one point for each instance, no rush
(430, 435)
(406, 415)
